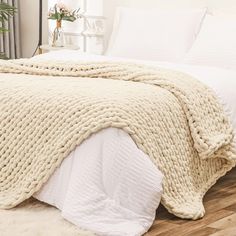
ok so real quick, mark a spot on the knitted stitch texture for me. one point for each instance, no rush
(47, 109)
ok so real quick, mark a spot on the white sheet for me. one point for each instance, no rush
(122, 191)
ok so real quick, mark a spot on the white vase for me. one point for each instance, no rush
(58, 36)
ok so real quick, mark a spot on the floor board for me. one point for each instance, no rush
(220, 218)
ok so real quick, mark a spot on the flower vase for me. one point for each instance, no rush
(58, 36)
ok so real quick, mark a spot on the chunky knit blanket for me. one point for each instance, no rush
(47, 109)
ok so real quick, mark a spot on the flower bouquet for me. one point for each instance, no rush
(59, 13)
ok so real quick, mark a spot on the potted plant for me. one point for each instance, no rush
(59, 13)
(6, 11)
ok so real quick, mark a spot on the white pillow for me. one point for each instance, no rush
(215, 44)
(164, 35)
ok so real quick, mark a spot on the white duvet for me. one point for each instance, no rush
(107, 185)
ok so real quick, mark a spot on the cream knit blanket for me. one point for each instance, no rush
(172, 117)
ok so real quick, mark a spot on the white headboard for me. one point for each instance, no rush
(228, 6)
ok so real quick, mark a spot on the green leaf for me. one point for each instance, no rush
(6, 11)
(2, 56)
(3, 30)
(69, 18)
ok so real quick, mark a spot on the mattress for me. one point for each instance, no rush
(110, 200)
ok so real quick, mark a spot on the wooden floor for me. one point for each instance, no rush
(220, 218)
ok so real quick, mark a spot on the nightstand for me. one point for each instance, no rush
(48, 48)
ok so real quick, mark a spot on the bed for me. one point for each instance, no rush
(108, 184)
(96, 186)
(220, 80)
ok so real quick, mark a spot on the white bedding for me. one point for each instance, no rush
(111, 200)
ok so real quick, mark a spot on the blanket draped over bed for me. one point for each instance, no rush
(47, 109)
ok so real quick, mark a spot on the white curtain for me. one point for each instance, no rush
(10, 41)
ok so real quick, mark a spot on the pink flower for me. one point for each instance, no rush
(63, 12)
(61, 5)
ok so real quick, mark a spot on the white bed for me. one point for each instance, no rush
(107, 185)
(111, 202)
